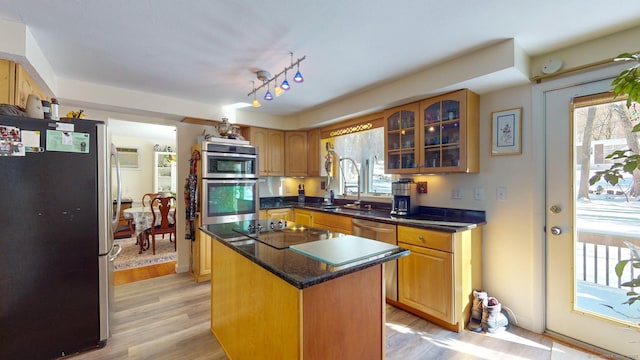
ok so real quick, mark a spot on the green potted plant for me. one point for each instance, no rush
(627, 83)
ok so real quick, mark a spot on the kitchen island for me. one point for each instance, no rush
(280, 302)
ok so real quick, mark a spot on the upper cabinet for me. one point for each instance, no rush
(270, 144)
(16, 84)
(296, 153)
(401, 138)
(313, 152)
(436, 135)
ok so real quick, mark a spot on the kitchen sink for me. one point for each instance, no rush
(330, 207)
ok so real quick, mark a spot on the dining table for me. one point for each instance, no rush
(143, 219)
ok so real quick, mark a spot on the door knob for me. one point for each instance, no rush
(556, 230)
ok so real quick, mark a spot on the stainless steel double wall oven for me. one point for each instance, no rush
(229, 182)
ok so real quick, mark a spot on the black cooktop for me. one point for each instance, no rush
(281, 234)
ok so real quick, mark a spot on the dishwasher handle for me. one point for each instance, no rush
(374, 226)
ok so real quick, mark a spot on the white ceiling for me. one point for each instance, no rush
(207, 51)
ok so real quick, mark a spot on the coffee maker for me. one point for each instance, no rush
(405, 198)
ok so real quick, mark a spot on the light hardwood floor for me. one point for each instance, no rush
(167, 317)
(142, 273)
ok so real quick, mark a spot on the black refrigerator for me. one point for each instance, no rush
(56, 247)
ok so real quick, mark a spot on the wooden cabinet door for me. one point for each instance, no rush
(401, 139)
(259, 138)
(201, 257)
(279, 214)
(337, 223)
(205, 256)
(7, 81)
(313, 153)
(25, 86)
(303, 217)
(448, 135)
(425, 281)
(275, 153)
(296, 153)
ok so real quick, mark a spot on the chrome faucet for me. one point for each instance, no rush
(345, 179)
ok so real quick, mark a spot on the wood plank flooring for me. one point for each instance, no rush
(167, 317)
(142, 273)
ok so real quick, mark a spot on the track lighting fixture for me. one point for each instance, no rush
(266, 79)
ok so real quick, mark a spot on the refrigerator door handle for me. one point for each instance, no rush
(111, 256)
(116, 216)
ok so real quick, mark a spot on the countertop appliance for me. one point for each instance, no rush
(57, 237)
(405, 198)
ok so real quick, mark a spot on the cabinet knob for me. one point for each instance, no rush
(421, 238)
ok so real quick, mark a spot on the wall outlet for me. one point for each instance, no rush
(478, 193)
(501, 193)
(456, 193)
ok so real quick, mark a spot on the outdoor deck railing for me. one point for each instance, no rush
(597, 255)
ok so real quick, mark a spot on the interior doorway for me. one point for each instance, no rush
(149, 165)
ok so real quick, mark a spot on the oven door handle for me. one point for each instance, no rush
(230, 181)
(230, 155)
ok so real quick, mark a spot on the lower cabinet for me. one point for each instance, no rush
(436, 280)
(323, 220)
(337, 223)
(427, 283)
(277, 214)
(200, 267)
(303, 217)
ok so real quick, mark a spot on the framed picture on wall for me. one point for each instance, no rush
(506, 132)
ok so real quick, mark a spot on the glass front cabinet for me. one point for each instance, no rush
(401, 138)
(164, 172)
(436, 135)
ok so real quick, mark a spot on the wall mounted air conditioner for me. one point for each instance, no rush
(129, 157)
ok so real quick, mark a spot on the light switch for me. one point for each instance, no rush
(456, 193)
(501, 193)
(478, 193)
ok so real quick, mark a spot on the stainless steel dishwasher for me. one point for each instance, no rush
(385, 233)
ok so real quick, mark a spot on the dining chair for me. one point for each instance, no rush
(146, 198)
(161, 209)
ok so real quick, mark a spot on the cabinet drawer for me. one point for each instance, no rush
(334, 222)
(427, 238)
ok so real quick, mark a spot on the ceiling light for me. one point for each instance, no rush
(255, 103)
(298, 77)
(266, 79)
(277, 90)
(267, 95)
(285, 84)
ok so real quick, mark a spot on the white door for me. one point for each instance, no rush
(576, 308)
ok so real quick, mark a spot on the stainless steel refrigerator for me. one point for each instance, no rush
(56, 243)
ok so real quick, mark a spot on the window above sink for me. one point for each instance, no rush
(366, 148)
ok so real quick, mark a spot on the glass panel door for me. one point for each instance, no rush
(586, 228)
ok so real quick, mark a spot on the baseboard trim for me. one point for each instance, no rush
(181, 268)
(583, 346)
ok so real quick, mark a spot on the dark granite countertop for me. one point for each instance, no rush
(430, 218)
(299, 270)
